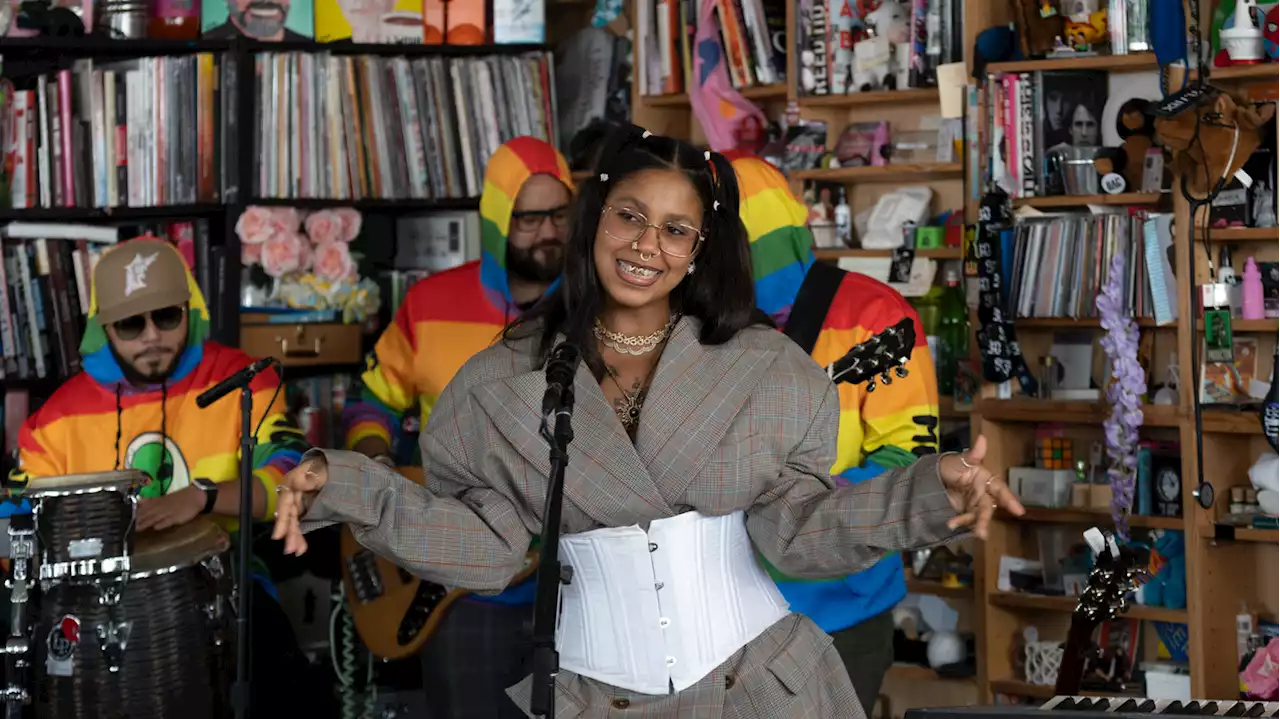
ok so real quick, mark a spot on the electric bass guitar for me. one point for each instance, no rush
(1116, 573)
(395, 613)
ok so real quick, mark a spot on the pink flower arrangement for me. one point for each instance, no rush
(285, 241)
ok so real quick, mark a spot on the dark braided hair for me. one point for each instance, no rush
(720, 292)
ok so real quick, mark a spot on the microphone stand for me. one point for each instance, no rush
(546, 660)
(248, 442)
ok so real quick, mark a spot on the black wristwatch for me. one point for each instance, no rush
(210, 489)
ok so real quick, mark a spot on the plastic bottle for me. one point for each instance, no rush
(844, 220)
(1251, 305)
(953, 332)
(929, 307)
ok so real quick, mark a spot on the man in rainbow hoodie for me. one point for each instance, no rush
(482, 644)
(890, 427)
(146, 359)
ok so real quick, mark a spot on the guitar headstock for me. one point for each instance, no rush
(886, 352)
(1117, 572)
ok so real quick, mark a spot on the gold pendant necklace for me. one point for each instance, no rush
(634, 345)
(628, 408)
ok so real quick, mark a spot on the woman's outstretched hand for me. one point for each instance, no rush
(297, 491)
(975, 492)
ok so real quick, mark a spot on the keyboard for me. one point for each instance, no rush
(1106, 708)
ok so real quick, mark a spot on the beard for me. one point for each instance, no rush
(540, 263)
(149, 367)
(261, 19)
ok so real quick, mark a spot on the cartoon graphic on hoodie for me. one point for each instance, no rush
(891, 427)
(111, 417)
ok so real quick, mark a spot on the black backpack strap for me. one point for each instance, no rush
(809, 312)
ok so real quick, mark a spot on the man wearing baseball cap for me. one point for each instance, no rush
(146, 359)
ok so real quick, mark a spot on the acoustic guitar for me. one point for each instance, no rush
(1116, 573)
(395, 613)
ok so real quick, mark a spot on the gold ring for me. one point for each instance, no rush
(966, 464)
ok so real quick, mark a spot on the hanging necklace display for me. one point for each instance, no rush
(1001, 357)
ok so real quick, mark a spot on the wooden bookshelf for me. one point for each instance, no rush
(886, 173)
(1264, 71)
(920, 95)
(942, 253)
(1244, 234)
(1124, 198)
(1120, 63)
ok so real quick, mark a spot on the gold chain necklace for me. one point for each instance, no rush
(634, 345)
(628, 409)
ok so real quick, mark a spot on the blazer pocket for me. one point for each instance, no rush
(795, 663)
(568, 704)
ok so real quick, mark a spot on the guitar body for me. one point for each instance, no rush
(396, 613)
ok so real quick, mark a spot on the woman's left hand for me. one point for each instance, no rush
(975, 492)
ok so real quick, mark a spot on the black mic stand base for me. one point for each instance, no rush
(244, 577)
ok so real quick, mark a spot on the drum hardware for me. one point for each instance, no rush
(214, 566)
(22, 546)
(109, 595)
(113, 637)
(83, 568)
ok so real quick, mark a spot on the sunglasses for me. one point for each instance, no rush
(165, 319)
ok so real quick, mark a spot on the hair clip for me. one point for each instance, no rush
(604, 177)
(715, 205)
(646, 135)
(707, 156)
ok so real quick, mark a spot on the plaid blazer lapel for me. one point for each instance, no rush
(696, 394)
(605, 478)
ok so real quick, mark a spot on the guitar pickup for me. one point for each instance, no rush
(366, 580)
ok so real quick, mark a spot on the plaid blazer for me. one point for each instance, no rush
(749, 424)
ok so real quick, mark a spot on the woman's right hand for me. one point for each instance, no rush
(296, 493)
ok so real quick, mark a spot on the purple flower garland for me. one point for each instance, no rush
(1125, 393)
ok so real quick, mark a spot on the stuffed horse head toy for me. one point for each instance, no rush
(1211, 141)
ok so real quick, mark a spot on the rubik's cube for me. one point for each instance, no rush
(1053, 453)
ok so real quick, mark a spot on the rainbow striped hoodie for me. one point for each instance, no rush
(97, 421)
(448, 317)
(887, 428)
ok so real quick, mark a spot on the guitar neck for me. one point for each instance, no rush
(1074, 657)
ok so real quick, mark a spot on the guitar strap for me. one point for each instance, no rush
(809, 311)
(1002, 358)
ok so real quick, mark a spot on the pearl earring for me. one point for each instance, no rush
(690, 270)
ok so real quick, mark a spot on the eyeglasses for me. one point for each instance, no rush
(626, 225)
(166, 319)
(531, 220)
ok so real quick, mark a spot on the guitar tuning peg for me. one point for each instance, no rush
(900, 371)
(871, 385)
(885, 378)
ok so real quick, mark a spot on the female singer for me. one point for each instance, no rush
(699, 431)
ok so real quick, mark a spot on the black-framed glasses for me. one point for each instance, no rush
(531, 220)
(165, 319)
(627, 225)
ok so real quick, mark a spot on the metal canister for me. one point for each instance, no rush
(123, 19)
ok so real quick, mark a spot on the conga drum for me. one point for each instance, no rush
(84, 523)
(156, 645)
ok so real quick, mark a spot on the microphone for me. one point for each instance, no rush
(561, 368)
(235, 381)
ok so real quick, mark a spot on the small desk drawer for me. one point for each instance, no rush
(301, 345)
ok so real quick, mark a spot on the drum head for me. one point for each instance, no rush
(177, 547)
(121, 481)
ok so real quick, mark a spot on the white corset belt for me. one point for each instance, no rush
(648, 611)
